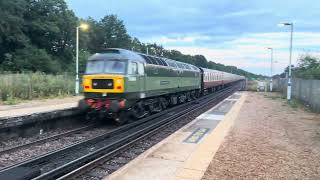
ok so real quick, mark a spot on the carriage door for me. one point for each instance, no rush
(133, 77)
(141, 78)
(136, 78)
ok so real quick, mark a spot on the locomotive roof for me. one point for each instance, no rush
(117, 53)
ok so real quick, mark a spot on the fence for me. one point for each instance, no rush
(34, 85)
(305, 90)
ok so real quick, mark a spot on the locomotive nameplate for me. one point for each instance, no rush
(164, 82)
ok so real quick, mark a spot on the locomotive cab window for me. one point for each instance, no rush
(106, 66)
(133, 68)
(117, 67)
(95, 66)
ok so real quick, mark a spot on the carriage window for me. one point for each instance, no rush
(133, 68)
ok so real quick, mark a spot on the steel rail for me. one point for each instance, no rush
(47, 139)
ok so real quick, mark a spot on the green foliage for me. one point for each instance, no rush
(309, 67)
(12, 26)
(40, 59)
(34, 85)
(36, 30)
(107, 33)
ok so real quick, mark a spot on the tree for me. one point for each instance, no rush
(34, 59)
(137, 46)
(109, 32)
(201, 61)
(51, 25)
(309, 67)
(12, 36)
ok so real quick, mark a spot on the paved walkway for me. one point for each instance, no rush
(38, 106)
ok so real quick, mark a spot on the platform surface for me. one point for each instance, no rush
(187, 153)
(38, 106)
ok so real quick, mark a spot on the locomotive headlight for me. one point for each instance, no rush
(119, 84)
(86, 81)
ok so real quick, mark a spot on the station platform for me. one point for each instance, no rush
(186, 154)
(30, 111)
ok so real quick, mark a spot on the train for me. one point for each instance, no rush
(120, 84)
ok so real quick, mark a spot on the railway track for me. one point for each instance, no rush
(47, 139)
(89, 153)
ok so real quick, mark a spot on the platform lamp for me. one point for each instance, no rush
(289, 75)
(83, 27)
(271, 67)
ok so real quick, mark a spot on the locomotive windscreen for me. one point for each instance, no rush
(106, 66)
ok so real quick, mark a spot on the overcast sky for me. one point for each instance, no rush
(229, 32)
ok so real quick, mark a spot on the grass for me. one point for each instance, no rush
(12, 101)
(17, 87)
(274, 96)
(295, 103)
(252, 85)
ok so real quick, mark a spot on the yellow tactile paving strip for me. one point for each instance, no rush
(196, 165)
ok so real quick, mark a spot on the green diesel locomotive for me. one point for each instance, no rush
(122, 84)
(119, 83)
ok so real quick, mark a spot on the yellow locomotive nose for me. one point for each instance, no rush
(104, 83)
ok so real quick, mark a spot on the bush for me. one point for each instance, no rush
(27, 86)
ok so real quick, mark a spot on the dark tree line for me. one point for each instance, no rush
(39, 35)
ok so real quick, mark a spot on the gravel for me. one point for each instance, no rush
(269, 140)
(23, 154)
(16, 141)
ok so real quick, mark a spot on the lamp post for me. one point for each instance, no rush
(271, 67)
(289, 75)
(83, 27)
